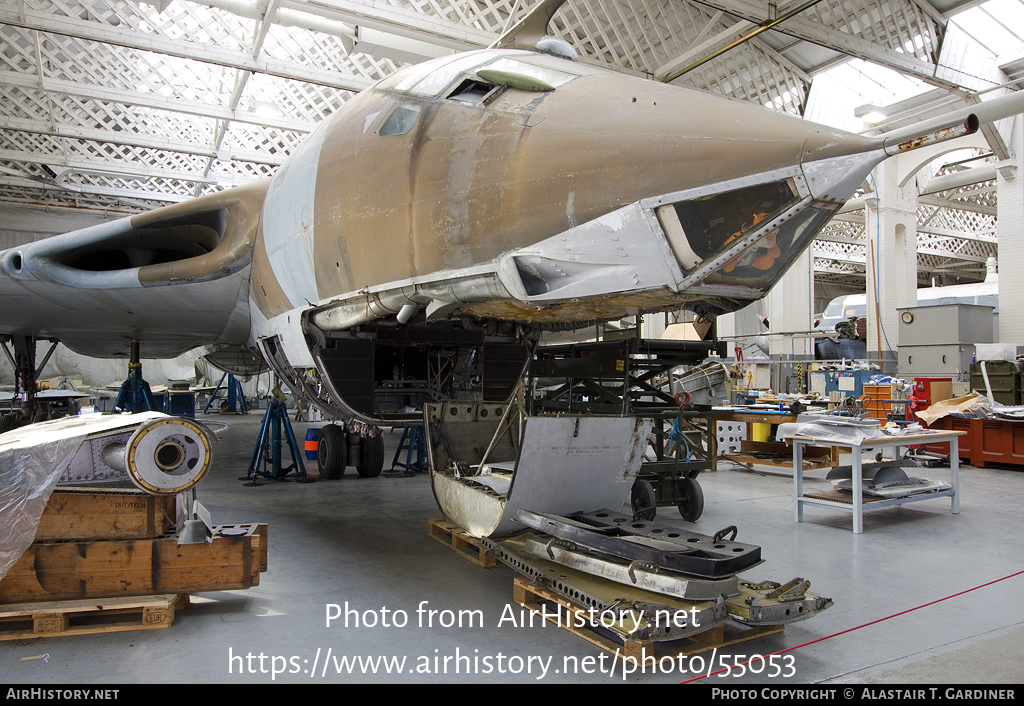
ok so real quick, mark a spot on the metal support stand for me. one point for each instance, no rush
(412, 440)
(268, 449)
(134, 395)
(235, 402)
(628, 377)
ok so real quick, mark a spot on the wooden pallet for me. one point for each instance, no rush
(730, 633)
(56, 619)
(459, 541)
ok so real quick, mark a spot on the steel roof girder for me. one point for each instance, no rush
(132, 39)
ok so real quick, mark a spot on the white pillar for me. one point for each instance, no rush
(1010, 229)
(790, 308)
(891, 257)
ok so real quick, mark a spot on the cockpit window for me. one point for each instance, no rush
(523, 75)
(438, 74)
(470, 91)
(401, 120)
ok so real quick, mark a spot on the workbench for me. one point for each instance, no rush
(857, 503)
(749, 449)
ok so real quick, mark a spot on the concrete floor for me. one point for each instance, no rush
(364, 542)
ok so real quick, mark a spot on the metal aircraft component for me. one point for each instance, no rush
(645, 575)
(560, 464)
(770, 603)
(157, 453)
(661, 545)
(705, 384)
(642, 614)
(167, 456)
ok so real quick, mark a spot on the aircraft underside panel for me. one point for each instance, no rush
(392, 370)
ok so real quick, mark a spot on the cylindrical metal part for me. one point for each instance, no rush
(164, 456)
(966, 126)
(114, 456)
(355, 449)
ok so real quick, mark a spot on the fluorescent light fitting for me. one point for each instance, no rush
(870, 113)
(265, 109)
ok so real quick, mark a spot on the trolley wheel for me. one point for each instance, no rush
(330, 452)
(691, 506)
(372, 462)
(645, 505)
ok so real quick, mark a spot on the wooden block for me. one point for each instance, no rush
(49, 623)
(105, 516)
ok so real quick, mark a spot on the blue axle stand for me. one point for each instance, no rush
(412, 442)
(235, 402)
(268, 449)
(134, 395)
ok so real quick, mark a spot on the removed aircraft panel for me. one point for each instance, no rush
(483, 472)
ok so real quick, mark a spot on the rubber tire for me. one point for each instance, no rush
(643, 500)
(372, 462)
(330, 452)
(691, 507)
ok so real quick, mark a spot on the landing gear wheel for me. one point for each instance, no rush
(645, 505)
(330, 452)
(372, 462)
(691, 507)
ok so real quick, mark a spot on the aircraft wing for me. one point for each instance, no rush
(177, 277)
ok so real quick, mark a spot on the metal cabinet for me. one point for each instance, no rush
(950, 323)
(950, 360)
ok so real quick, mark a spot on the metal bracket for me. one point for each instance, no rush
(648, 566)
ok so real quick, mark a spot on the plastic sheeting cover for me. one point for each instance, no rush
(830, 431)
(32, 460)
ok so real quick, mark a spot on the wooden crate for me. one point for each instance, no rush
(108, 568)
(462, 543)
(56, 619)
(127, 515)
(526, 594)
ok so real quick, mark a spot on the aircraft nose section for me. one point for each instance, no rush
(835, 163)
(835, 179)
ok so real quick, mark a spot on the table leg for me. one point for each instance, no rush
(858, 493)
(954, 472)
(798, 480)
(713, 441)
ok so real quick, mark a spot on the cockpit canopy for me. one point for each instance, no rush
(521, 70)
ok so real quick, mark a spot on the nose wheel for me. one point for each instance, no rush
(335, 451)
